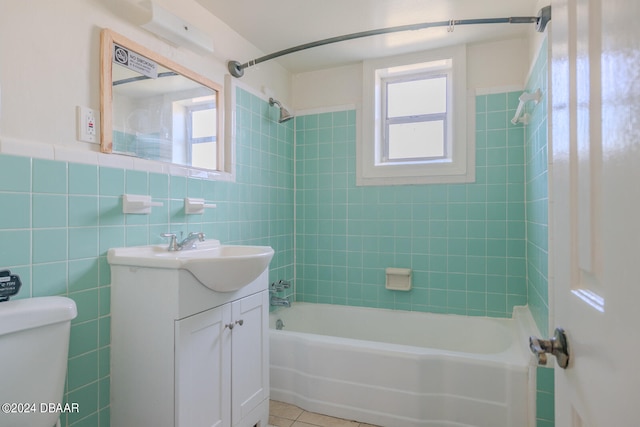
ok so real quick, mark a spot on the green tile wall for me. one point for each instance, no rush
(545, 406)
(466, 243)
(537, 225)
(65, 216)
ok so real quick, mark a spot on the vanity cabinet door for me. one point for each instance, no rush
(202, 373)
(250, 349)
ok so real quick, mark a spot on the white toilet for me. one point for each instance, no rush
(34, 344)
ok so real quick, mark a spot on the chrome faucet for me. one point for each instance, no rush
(188, 242)
(275, 300)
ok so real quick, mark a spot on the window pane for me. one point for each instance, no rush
(204, 123)
(204, 155)
(416, 97)
(416, 140)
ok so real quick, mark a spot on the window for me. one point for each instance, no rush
(414, 112)
(414, 120)
(201, 136)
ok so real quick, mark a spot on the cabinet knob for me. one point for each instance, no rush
(231, 325)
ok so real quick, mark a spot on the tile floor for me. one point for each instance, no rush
(285, 415)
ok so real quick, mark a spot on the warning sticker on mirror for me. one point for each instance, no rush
(134, 61)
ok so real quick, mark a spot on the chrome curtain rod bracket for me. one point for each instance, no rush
(541, 20)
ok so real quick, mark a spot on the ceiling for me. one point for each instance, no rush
(274, 25)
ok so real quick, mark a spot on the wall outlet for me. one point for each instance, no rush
(86, 122)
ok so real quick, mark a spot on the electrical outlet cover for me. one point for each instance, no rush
(86, 123)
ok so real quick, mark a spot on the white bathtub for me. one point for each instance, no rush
(404, 369)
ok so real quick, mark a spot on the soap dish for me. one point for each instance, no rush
(398, 279)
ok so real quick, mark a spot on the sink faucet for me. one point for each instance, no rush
(189, 242)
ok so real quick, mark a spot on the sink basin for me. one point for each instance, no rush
(222, 268)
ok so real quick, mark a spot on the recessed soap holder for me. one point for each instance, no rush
(137, 204)
(398, 279)
(193, 205)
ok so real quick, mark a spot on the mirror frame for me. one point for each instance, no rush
(107, 39)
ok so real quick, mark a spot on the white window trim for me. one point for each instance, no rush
(461, 168)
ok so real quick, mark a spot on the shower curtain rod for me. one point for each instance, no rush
(544, 16)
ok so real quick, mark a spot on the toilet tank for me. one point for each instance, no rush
(34, 345)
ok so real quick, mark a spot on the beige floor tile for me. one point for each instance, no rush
(325, 420)
(284, 410)
(279, 421)
(286, 415)
(301, 424)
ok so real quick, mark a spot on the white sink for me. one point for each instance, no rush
(222, 268)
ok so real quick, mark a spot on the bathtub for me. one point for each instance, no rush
(404, 369)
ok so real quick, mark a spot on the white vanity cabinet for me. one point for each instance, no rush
(221, 373)
(185, 356)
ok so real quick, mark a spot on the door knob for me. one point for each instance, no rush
(557, 345)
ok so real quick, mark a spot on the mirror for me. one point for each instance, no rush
(154, 108)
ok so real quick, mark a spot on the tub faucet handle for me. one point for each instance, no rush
(280, 286)
(284, 284)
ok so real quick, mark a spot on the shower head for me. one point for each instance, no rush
(284, 114)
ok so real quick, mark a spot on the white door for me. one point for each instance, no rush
(202, 374)
(250, 347)
(594, 208)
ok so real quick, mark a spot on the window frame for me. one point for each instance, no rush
(189, 110)
(458, 165)
(430, 117)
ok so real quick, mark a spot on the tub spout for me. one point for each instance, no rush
(276, 301)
